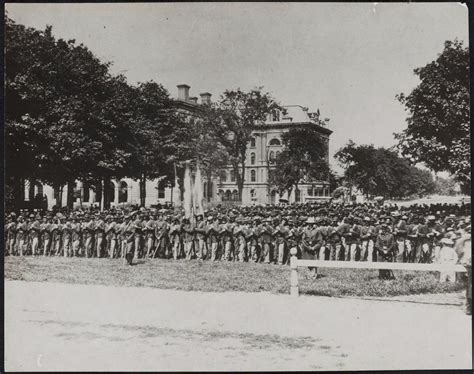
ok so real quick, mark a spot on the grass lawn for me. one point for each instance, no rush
(221, 276)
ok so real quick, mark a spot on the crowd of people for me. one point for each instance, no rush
(326, 231)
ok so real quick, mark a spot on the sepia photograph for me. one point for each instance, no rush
(237, 186)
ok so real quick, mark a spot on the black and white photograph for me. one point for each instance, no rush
(235, 186)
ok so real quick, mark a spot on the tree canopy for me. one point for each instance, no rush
(303, 158)
(438, 131)
(380, 171)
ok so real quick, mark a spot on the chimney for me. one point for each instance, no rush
(205, 98)
(183, 92)
(193, 99)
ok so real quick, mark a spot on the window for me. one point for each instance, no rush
(252, 142)
(235, 195)
(209, 190)
(228, 195)
(277, 153)
(204, 190)
(271, 156)
(232, 176)
(297, 195)
(123, 192)
(310, 191)
(275, 141)
(161, 193)
(275, 115)
(253, 176)
(224, 177)
(252, 158)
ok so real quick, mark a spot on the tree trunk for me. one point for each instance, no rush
(59, 202)
(99, 193)
(142, 189)
(31, 190)
(240, 180)
(106, 192)
(70, 194)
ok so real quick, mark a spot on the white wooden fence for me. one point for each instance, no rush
(295, 263)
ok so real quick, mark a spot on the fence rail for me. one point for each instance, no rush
(295, 263)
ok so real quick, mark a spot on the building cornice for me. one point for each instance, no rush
(289, 125)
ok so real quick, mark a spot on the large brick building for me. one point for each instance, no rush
(263, 148)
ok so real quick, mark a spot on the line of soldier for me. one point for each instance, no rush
(373, 234)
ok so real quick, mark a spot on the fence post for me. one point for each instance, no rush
(294, 291)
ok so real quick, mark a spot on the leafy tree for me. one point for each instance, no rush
(234, 118)
(438, 124)
(304, 158)
(65, 117)
(380, 171)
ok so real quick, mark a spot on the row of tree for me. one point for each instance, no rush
(68, 118)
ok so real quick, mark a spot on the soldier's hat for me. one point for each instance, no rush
(210, 218)
(311, 220)
(38, 216)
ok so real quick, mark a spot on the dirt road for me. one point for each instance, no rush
(51, 326)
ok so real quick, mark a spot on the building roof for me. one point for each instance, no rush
(298, 115)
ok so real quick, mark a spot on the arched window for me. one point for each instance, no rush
(253, 176)
(228, 196)
(235, 195)
(271, 156)
(224, 177)
(252, 142)
(232, 176)
(252, 158)
(222, 195)
(275, 141)
(123, 192)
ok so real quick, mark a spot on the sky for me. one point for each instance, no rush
(347, 59)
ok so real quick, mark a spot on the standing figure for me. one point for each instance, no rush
(148, 230)
(188, 238)
(227, 239)
(111, 235)
(45, 232)
(138, 226)
(67, 237)
(88, 234)
(11, 235)
(175, 237)
(385, 244)
(99, 235)
(76, 236)
(200, 238)
(56, 232)
(266, 241)
(281, 236)
(309, 244)
(35, 235)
